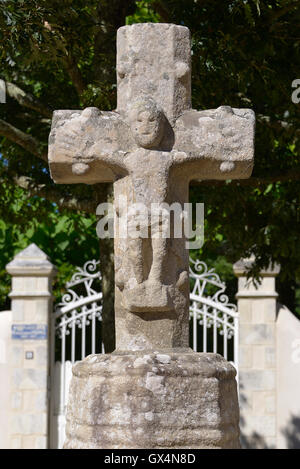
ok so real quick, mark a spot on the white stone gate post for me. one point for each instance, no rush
(257, 356)
(31, 304)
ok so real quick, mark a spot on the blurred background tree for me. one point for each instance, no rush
(60, 54)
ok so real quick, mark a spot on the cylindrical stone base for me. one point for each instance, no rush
(153, 400)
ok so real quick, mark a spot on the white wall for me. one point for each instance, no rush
(288, 380)
(5, 331)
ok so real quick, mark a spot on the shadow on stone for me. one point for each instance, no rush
(292, 433)
(252, 440)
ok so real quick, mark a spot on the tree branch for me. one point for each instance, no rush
(161, 10)
(291, 175)
(26, 141)
(74, 73)
(67, 59)
(281, 12)
(27, 100)
(54, 195)
(277, 124)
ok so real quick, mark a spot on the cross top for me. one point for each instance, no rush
(151, 148)
(154, 60)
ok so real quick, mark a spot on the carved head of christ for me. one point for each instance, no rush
(147, 122)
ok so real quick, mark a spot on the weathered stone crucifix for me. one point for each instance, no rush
(153, 391)
(151, 147)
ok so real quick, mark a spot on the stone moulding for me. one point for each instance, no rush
(153, 400)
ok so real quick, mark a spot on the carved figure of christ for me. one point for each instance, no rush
(151, 148)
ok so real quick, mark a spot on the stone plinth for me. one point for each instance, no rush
(153, 400)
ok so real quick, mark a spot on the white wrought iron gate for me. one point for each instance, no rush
(76, 333)
(210, 309)
(76, 329)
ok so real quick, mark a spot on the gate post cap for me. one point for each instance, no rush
(32, 261)
(242, 266)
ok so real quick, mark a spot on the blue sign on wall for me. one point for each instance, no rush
(29, 331)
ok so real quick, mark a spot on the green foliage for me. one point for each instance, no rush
(143, 14)
(245, 54)
(62, 236)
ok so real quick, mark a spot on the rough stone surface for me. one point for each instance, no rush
(154, 400)
(151, 306)
(164, 75)
(151, 147)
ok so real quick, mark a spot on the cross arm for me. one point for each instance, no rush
(88, 146)
(215, 144)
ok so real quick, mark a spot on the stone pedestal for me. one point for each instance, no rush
(176, 399)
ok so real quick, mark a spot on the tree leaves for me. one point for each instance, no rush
(63, 236)
(245, 54)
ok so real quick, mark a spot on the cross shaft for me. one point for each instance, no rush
(151, 148)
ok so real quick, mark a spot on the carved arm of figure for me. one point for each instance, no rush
(215, 144)
(88, 146)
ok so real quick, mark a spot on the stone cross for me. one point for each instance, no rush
(151, 147)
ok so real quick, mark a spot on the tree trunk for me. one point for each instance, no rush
(106, 247)
(108, 292)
